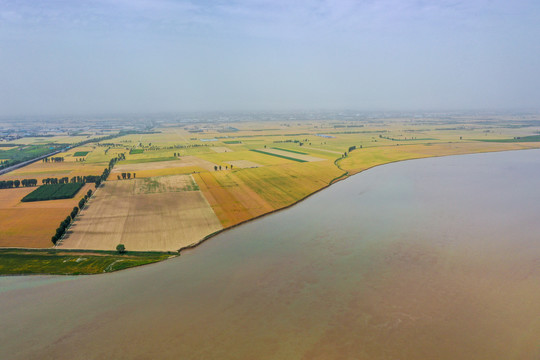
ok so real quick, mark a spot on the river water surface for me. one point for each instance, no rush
(426, 259)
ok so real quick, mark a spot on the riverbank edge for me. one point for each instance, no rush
(146, 258)
(347, 174)
(344, 176)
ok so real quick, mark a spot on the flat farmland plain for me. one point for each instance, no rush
(185, 165)
(165, 218)
(31, 224)
(292, 154)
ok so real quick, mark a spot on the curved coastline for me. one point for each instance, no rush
(344, 176)
(347, 174)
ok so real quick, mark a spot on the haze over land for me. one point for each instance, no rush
(66, 57)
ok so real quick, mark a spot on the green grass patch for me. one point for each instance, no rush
(293, 151)
(232, 142)
(53, 192)
(27, 152)
(57, 262)
(136, 151)
(81, 153)
(279, 156)
(532, 138)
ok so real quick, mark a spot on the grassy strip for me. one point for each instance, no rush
(279, 156)
(532, 138)
(293, 151)
(53, 192)
(81, 153)
(27, 262)
(232, 142)
(136, 151)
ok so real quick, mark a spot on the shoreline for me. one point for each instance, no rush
(347, 174)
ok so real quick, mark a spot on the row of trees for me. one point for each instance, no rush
(107, 170)
(52, 181)
(218, 167)
(126, 176)
(61, 230)
(53, 159)
(8, 184)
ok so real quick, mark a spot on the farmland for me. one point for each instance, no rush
(160, 213)
(175, 185)
(31, 224)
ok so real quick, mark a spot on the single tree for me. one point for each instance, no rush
(121, 248)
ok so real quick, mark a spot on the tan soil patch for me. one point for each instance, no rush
(293, 155)
(11, 197)
(118, 214)
(221, 149)
(243, 164)
(162, 184)
(325, 150)
(191, 161)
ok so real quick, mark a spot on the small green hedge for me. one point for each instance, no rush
(53, 192)
(279, 156)
(293, 151)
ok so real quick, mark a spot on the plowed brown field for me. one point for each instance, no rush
(165, 217)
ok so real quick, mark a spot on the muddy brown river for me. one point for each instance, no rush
(425, 259)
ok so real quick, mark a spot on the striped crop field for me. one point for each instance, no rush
(279, 156)
(293, 151)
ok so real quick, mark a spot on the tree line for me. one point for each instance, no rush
(124, 176)
(108, 169)
(53, 159)
(61, 230)
(218, 167)
(8, 184)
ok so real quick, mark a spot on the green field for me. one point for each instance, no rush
(27, 152)
(81, 153)
(232, 142)
(293, 151)
(53, 192)
(136, 151)
(16, 262)
(532, 138)
(279, 156)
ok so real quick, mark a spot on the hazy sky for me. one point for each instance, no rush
(67, 56)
